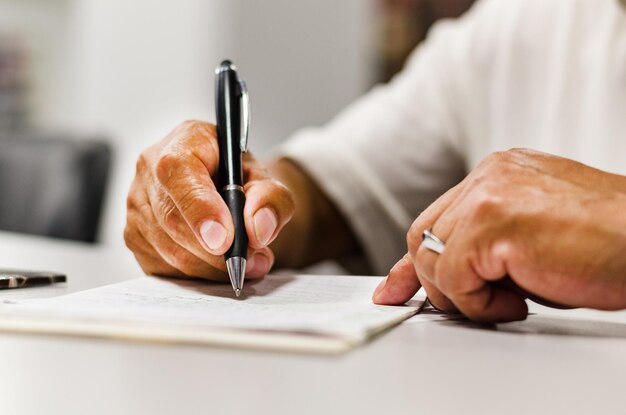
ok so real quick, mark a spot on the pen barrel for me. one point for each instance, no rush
(228, 114)
(235, 200)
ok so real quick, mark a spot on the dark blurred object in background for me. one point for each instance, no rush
(405, 24)
(13, 83)
(49, 185)
(53, 186)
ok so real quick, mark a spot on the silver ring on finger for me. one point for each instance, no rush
(432, 242)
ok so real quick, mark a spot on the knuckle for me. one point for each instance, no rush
(197, 127)
(129, 237)
(498, 156)
(519, 151)
(487, 203)
(495, 162)
(188, 123)
(504, 249)
(131, 202)
(191, 198)
(284, 197)
(141, 164)
(490, 159)
(522, 156)
(171, 217)
(500, 161)
(136, 197)
(166, 166)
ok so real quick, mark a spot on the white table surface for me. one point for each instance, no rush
(554, 363)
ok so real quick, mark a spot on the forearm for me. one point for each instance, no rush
(317, 230)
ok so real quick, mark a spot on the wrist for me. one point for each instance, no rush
(317, 230)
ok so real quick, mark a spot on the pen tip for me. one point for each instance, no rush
(236, 272)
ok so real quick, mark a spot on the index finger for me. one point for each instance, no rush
(400, 285)
(269, 204)
(399, 280)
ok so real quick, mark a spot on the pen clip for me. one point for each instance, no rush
(245, 115)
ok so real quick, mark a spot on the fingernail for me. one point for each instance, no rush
(213, 234)
(380, 288)
(265, 223)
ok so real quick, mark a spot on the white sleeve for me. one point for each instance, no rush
(393, 152)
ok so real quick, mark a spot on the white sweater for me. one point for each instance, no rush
(543, 74)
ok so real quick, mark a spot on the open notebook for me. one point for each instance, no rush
(306, 313)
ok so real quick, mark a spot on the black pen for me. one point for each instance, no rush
(20, 279)
(232, 113)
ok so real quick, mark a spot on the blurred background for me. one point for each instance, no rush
(85, 85)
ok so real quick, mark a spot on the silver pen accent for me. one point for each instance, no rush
(236, 267)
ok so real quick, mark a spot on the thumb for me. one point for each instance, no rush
(400, 285)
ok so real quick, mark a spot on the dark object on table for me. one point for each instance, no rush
(53, 186)
(21, 279)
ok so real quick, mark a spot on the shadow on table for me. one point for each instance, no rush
(541, 324)
(252, 288)
(563, 326)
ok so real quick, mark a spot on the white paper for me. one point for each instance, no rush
(287, 312)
